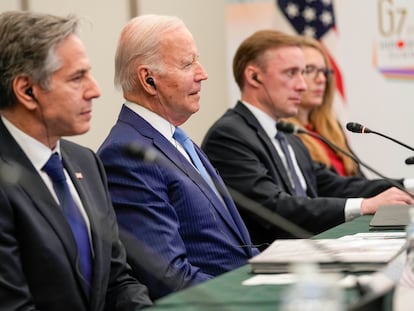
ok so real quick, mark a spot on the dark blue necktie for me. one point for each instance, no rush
(299, 191)
(54, 169)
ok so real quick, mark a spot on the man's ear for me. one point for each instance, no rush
(144, 76)
(252, 75)
(24, 91)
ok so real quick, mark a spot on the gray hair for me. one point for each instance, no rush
(27, 48)
(140, 43)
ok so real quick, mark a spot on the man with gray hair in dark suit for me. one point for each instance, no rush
(59, 244)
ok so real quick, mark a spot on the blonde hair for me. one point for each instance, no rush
(324, 122)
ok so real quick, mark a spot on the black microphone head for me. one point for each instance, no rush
(357, 128)
(409, 160)
(285, 127)
(142, 153)
(289, 128)
(10, 172)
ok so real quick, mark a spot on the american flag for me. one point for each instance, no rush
(314, 18)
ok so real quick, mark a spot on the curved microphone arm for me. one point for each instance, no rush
(335, 147)
(264, 213)
(393, 139)
(360, 129)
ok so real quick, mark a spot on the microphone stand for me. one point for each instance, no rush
(409, 160)
(252, 206)
(358, 128)
(335, 147)
(390, 138)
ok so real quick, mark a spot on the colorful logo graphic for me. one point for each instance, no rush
(393, 51)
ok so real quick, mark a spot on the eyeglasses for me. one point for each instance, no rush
(313, 72)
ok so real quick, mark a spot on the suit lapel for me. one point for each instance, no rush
(169, 151)
(231, 211)
(31, 183)
(182, 164)
(267, 143)
(176, 159)
(44, 202)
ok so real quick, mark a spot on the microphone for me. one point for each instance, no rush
(290, 128)
(294, 129)
(409, 160)
(10, 172)
(358, 128)
(146, 154)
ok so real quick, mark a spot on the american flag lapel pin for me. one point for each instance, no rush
(78, 175)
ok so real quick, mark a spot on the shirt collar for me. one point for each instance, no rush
(37, 152)
(159, 123)
(266, 121)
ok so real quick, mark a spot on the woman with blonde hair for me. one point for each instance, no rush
(316, 112)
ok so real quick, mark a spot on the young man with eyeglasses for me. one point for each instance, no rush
(255, 160)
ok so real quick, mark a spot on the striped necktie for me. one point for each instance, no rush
(299, 191)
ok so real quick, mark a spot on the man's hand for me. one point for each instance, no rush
(388, 197)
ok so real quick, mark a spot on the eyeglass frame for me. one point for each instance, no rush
(314, 71)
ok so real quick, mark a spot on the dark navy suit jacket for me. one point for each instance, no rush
(176, 230)
(38, 255)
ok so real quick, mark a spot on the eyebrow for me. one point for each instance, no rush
(80, 72)
(294, 68)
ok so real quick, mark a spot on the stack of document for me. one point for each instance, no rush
(358, 253)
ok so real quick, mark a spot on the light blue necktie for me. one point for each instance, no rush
(299, 191)
(185, 141)
(54, 169)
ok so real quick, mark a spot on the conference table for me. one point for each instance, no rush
(226, 292)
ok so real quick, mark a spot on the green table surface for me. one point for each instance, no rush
(226, 292)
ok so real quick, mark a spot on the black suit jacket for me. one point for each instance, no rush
(248, 162)
(37, 250)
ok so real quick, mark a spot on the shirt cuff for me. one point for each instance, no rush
(353, 208)
(409, 184)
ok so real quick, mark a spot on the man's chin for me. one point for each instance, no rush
(78, 131)
(291, 113)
